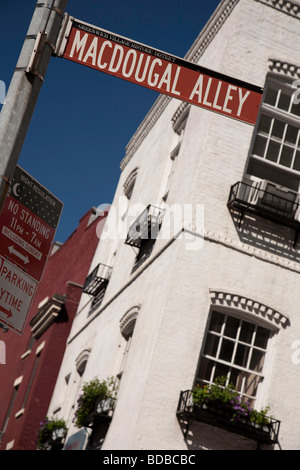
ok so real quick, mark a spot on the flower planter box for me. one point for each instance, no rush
(222, 418)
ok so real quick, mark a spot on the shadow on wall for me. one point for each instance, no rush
(203, 436)
(266, 235)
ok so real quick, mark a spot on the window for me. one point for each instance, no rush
(95, 285)
(143, 233)
(275, 151)
(81, 362)
(234, 348)
(127, 325)
(97, 299)
(129, 183)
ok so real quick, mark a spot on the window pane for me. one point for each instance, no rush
(273, 151)
(291, 134)
(262, 336)
(264, 124)
(211, 345)
(251, 384)
(205, 369)
(241, 356)
(226, 350)
(284, 101)
(236, 377)
(296, 165)
(278, 128)
(246, 332)
(231, 327)
(286, 156)
(216, 322)
(259, 145)
(271, 96)
(220, 371)
(257, 360)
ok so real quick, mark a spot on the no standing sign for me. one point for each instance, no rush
(28, 223)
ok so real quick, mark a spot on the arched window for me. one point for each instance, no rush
(236, 342)
(127, 324)
(129, 183)
(81, 361)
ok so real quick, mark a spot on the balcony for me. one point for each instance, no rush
(267, 200)
(261, 433)
(146, 226)
(97, 279)
(103, 412)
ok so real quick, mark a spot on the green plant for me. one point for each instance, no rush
(225, 398)
(91, 392)
(260, 417)
(46, 434)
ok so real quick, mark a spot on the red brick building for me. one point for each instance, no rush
(33, 359)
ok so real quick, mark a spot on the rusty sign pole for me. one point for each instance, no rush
(25, 85)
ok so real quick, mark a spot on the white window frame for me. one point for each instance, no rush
(216, 360)
(280, 83)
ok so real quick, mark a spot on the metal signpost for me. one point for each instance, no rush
(132, 61)
(28, 222)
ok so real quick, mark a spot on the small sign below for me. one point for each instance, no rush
(17, 292)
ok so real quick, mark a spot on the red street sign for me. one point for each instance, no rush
(160, 71)
(28, 222)
(17, 291)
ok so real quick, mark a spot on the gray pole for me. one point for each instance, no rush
(25, 85)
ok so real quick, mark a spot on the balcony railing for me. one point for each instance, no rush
(261, 433)
(146, 226)
(98, 277)
(267, 200)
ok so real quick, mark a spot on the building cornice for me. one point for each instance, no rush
(290, 7)
(195, 52)
(46, 315)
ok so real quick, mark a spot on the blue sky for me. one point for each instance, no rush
(84, 119)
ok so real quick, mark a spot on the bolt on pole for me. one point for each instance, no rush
(25, 85)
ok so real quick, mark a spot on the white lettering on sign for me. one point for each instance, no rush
(127, 63)
(162, 72)
(16, 294)
(29, 219)
(200, 91)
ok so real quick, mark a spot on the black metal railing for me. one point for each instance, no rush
(269, 201)
(146, 226)
(263, 433)
(99, 276)
(103, 411)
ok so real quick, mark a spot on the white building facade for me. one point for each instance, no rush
(215, 291)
